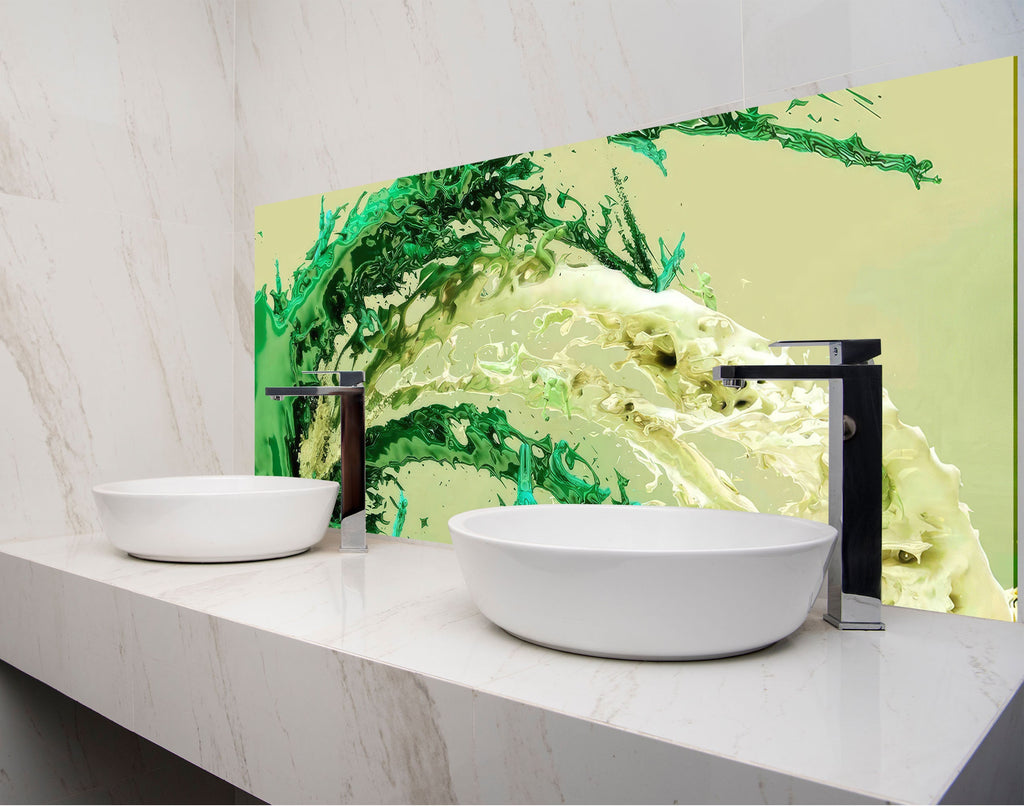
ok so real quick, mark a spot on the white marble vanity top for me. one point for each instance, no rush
(822, 715)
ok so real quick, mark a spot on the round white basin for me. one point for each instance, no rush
(642, 582)
(209, 519)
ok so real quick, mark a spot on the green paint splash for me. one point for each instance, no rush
(402, 509)
(761, 127)
(864, 102)
(484, 440)
(524, 478)
(643, 146)
(671, 262)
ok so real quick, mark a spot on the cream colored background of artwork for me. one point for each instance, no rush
(799, 246)
(930, 272)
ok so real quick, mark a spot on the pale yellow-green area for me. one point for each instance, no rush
(802, 247)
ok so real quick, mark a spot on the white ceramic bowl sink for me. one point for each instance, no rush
(642, 582)
(210, 519)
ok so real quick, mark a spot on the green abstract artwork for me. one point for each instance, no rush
(541, 327)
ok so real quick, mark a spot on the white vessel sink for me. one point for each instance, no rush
(642, 582)
(210, 519)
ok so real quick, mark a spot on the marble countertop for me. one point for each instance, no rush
(822, 715)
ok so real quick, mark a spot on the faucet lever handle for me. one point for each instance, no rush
(841, 351)
(355, 378)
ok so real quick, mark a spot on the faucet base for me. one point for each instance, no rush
(350, 540)
(853, 625)
(353, 532)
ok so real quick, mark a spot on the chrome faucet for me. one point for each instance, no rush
(855, 470)
(351, 393)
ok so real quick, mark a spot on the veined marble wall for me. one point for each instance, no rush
(115, 246)
(116, 130)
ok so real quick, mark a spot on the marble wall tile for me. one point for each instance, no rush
(344, 104)
(119, 105)
(518, 75)
(791, 45)
(387, 89)
(115, 221)
(243, 409)
(1007, 44)
(116, 352)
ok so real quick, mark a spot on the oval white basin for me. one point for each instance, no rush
(210, 519)
(642, 582)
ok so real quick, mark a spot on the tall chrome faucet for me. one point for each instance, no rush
(855, 470)
(351, 393)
